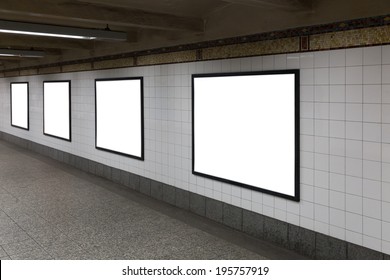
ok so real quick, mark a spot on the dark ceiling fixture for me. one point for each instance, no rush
(35, 29)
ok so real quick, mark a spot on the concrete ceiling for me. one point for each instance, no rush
(162, 23)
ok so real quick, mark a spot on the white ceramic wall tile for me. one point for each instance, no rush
(337, 58)
(372, 189)
(372, 55)
(321, 197)
(354, 237)
(307, 93)
(307, 192)
(337, 129)
(321, 93)
(337, 217)
(292, 218)
(386, 54)
(354, 222)
(337, 76)
(386, 74)
(337, 182)
(386, 211)
(354, 204)
(372, 94)
(307, 76)
(386, 113)
(307, 143)
(372, 151)
(385, 192)
(386, 133)
(307, 110)
(337, 146)
(386, 231)
(337, 93)
(371, 242)
(354, 167)
(337, 111)
(337, 201)
(321, 213)
(354, 112)
(372, 113)
(292, 61)
(372, 132)
(372, 74)
(354, 185)
(354, 57)
(372, 208)
(385, 247)
(307, 160)
(354, 75)
(321, 145)
(321, 111)
(354, 130)
(306, 223)
(345, 136)
(337, 232)
(386, 94)
(307, 60)
(337, 164)
(280, 61)
(321, 128)
(354, 93)
(372, 170)
(321, 227)
(321, 179)
(321, 59)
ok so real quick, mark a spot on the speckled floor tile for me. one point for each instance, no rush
(36, 254)
(2, 252)
(55, 211)
(21, 247)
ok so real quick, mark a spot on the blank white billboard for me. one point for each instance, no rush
(56, 109)
(19, 105)
(119, 116)
(245, 130)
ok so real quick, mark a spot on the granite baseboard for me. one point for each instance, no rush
(306, 242)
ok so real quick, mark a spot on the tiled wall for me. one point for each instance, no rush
(345, 136)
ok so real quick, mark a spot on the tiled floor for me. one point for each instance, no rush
(49, 210)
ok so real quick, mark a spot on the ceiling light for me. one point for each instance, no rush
(35, 29)
(21, 53)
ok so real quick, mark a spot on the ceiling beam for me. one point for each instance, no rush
(77, 12)
(290, 5)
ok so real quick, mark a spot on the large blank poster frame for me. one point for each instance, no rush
(119, 116)
(57, 109)
(245, 130)
(19, 96)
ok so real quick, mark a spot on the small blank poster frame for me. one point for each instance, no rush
(57, 109)
(19, 96)
(119, 116)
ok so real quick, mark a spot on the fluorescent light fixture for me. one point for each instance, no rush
(21, 53)
(35, 29)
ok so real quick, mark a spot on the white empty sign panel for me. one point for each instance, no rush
(19, 105)
(245, 130)
(119, 116)
(56, 109)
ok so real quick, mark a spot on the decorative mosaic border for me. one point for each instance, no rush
(303, 241)
(346, 34)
